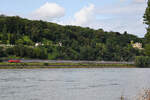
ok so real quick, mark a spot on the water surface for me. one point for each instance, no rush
(72, 84)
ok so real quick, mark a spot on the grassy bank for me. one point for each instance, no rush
(61, 65)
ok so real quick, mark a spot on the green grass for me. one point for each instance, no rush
(6, 65)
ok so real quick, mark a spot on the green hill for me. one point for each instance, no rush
(44, 40)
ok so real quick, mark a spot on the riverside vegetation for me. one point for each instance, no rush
(6, 65)
(35, 39)
(144, 61)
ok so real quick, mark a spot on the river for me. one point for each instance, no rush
(72, 84)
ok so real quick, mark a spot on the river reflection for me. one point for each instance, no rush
(72, 84)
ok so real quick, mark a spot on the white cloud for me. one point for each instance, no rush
(120, 18)
(116, 10)
(48, 11)
(84, 16)
(139, 1)
(135, 1)
(121, 24)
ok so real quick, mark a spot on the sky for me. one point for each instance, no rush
(110, 15)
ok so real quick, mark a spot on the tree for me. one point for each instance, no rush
(2, 53)
(4, 34)
(27, 40)
(147, 21)
(40, 53)
(147, 49)
(20, 41)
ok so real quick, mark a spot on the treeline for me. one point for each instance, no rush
(144, 61)
(44, 40)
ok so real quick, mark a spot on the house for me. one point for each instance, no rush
(38, 44)
(137, 45)
(60, 44)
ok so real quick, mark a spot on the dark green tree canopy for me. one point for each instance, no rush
(147, 14)
(147, 21)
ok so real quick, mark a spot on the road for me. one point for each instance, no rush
(75, 61)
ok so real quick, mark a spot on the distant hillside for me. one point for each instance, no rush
(44, 40)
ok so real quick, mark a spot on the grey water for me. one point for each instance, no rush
(72, 84)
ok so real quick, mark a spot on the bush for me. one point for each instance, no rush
(142, 61)
(1, 60)
(46, 64)
(24, 64)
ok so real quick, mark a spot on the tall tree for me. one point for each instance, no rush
(147, 21)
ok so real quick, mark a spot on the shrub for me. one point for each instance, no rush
(24, 64)
(46, 64)
(142, 61)
(1, 60)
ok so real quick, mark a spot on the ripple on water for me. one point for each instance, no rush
(71, 84)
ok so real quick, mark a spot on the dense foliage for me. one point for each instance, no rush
(147, 21)
(142, 61)
(18, 38)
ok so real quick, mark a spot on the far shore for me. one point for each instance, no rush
(5, 65)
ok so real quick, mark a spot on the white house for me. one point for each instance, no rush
(60, 44)
(38, 44)
(137, 45)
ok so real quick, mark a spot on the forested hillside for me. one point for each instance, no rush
(44, 40)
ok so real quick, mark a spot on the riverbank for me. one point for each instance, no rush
(5, 65)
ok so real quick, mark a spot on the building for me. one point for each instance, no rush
(137, 45)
